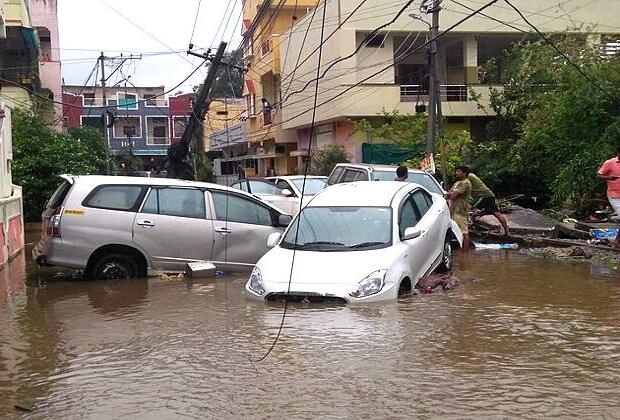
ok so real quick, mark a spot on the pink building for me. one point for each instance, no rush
(44, 17)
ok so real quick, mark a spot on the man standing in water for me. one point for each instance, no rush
(610, 172)
(485, 201)
(460, 197)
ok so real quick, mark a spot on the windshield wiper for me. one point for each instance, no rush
(310, 245)
(366, 244)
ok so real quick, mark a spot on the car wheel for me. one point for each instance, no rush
(114, 267)
(447, 259)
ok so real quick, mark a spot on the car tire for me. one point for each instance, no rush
(114, 267)
(447, 257)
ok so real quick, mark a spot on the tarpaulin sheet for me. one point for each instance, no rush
(388, 154)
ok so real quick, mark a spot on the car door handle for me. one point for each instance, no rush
(145, 223)
(223, 230)
(424, 233)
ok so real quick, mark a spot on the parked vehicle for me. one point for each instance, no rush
(283, 192)
(116, 227)
(358, 242)
(351, 172)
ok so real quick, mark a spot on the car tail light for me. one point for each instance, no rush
(53, 222)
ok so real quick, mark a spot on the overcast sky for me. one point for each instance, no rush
(90, 26)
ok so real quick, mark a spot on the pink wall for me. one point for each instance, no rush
(44, 17)
(343, 138)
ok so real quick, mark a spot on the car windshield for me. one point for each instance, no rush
(424, 180)
(313, 185)
(264, 187)
(340, 229)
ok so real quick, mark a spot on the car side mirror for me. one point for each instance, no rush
(284, 219)
(286, 192)
(411, 233)
(273, 239)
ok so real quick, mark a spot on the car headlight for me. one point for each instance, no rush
(371, 284)
(256, 282)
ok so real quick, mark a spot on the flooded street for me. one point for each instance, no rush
(528, 337)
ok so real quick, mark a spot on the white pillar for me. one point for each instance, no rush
(470, 59)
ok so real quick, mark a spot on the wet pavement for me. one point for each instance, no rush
(529, 337)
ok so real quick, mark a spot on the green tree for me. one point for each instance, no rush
(554, 126)
(324, 159)
(229, 79)
(40, 155)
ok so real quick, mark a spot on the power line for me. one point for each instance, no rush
(568, 60)
(191, 38)
(303, 187)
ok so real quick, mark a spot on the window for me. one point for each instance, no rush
(95, 122)
(251, 104)
(351, 175)
(114, 197)
(180, 202)
(127, 101)
(419, 197)
(333, 177)
(127, 126)
(409, 216)
(242, 185)
(234, 208)
(377, 41)
(150, 99)
(157, 130)
(264, 187)
(89, 98)
(283, 185)
(178, 125)
(427, 181)
(313, 185)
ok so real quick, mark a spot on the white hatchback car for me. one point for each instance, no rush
(284, 192)
(358, 242)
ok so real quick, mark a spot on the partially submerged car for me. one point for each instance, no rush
(117, 227)
(358, 242)
(351, 172)
(283, 192)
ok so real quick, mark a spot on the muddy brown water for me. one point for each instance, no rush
(529, 338)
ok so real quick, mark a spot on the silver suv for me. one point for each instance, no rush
(117, 227)
(350, 172)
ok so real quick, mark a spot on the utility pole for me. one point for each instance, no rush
(433, 93)
(104, 110)
(178, 153)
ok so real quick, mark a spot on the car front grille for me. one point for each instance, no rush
(304, 297)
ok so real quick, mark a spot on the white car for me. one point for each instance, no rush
(284, 192)
(358, 242)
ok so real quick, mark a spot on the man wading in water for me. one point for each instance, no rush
(610, 172)
(460, 197)
(484, 200)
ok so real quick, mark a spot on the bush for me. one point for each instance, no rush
(40, 155)
(324, 159)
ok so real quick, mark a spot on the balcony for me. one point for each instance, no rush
(448, 93)
(269, 57)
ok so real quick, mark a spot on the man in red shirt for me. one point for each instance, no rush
(610, 172)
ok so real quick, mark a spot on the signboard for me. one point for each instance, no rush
(428, 164)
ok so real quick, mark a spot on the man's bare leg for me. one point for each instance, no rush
(502, 221)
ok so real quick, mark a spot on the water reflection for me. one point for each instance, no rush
(529, 338)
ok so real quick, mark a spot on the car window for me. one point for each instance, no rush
(351, 175)
(419, 197)
(114, 197)
(59, 195)
(282, 184)
(264, 187)
(409, 215)
(181, 202)
(425, 180)
(242, 185)
(386, 175)
(234, 208)
(333, 177)
(313, 185)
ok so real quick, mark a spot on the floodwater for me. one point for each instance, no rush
(528, 338)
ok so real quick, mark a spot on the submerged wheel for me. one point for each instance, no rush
(447, 259)
(114, 267)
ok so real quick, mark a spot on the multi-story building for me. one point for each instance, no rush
(267, 145)
(399, 49)
(138, 118)
(180, 110)
(44, 15)
(18, 69)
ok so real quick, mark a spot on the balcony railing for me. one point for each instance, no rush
(158, 141)
(448, 93)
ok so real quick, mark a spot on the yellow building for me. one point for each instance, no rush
(223, 113)
(267, 21)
